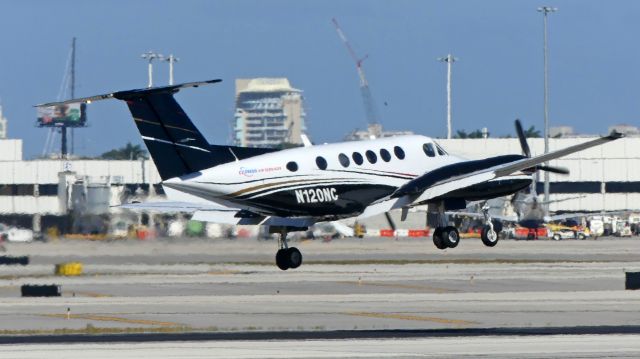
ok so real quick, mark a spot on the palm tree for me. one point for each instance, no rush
(532, 133)
(128, 152)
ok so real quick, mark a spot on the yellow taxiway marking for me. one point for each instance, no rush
(105, 318)
(411, 317)
(91, 294)
(224, 272)
(399, 285)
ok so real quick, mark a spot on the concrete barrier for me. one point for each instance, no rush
(9, 260)
(51, 290)
(632, 281)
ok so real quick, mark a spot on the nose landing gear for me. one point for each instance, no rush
(489, 234)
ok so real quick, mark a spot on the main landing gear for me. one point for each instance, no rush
(287, 257)
(444, 235)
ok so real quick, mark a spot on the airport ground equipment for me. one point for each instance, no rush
(68, 269)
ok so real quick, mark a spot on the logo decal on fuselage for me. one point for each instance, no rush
(316, 195)
(249, 172)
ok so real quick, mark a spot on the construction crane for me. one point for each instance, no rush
(374, 128)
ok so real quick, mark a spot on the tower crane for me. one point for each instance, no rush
(374, 128)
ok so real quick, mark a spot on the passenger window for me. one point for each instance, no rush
(292, 166)
(344, 160)
(399, 152)
(321, 163)
(385, 155)
(371, 156)
(357, 158)
(428, 150)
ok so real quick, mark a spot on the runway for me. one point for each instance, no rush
(404, 293)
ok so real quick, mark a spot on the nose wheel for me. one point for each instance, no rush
(490, 230)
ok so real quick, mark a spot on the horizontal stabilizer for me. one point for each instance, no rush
(123, 95)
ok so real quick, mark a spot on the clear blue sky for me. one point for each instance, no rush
(594, 61)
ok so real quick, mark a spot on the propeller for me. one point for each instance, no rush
(523, 139)
(390, 221)
(527, 152)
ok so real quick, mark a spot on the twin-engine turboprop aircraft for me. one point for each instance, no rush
(292, 189)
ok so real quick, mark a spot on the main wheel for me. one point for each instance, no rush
(294, 257)
(556, 237)
(450, 237)
(281, 259)
(489, 236)
(437, 238)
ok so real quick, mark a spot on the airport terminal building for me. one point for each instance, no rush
(45, 192)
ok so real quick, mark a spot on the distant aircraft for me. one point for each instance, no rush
(294, 188)
(530, 212)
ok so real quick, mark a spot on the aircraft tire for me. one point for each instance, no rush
(281, 259)
(294, 257)
(450, 237)
(489, 239)
(437, 238)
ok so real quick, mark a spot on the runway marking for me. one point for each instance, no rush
(411, 317)
(399, 285)
(92, 294)
(105, 318)
(224, 272)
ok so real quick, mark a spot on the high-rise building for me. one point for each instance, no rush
(3, 125)
(269, 113)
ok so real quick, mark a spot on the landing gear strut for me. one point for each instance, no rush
(287, 257)
(445, 236)
(489, 234)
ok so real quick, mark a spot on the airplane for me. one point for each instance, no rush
(529, 211)
(291, 189)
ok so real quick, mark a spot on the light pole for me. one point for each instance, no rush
(150, 56)
(545, 10)
(449, 59)
(171, 60)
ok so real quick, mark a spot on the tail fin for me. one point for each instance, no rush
(176, 146)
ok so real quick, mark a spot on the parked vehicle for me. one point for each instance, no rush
(569, 233)
(15, 234)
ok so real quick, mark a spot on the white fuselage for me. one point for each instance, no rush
(295, 181)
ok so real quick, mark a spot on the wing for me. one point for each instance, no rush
(439, 183)
(210, 212)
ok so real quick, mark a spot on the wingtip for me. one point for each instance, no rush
(614, 135)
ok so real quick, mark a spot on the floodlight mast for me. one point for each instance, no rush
(150, 56)
(449, 59)
(546, 10)
(171, 60)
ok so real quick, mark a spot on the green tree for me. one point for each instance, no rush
(128, 152)
(464, 134)
(532, 133)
